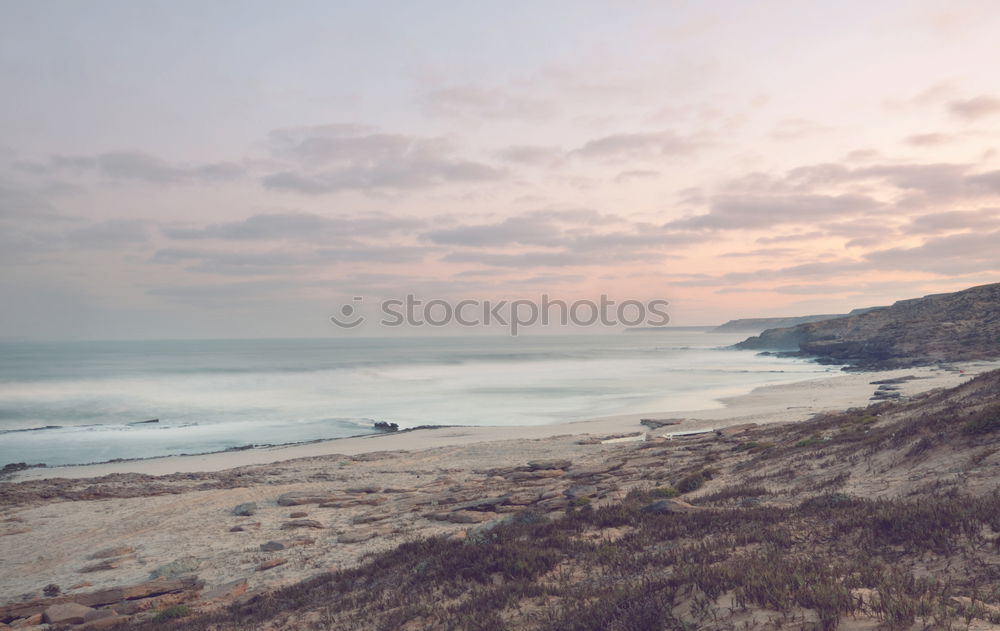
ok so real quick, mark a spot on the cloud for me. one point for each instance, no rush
(986, 183)
(486, 103)
(761, 252)
(954, 254)
(531, 154)
(212, 261)
(551, 228)
(531, 230)
(929, 140)
(984, 218)
(337, 158)
(638, 145)
(298, 226)
(140, 167)
(111, 233)
(221, 293)
(637, 174)
(795, 128)
(975, 108)
(753, 211)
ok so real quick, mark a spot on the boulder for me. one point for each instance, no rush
(66, 613)
(245, 509)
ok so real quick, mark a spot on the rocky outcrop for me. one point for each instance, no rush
(961, 326)
(104, 604)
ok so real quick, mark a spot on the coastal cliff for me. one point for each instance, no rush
(959, 326)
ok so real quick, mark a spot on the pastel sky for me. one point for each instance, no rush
(241, 168)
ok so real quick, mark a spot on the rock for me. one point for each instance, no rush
(226, 591)
(237, 529)
(245, 509)
(30, 621)
(108, 622)
(298, 514)
(301, 523)
(670, 506)
(486, 503)
(66, 613)
(267, 565)
(99, 614)
(272, 546)
(587, 472)
(734, 430)
(160, 586)
(298, 498)
(437, 516)
(115, 551)
(184, 565)
(355, 537)
(536, 465)
(541, 474)
(103, 566)
(367, 519)
(469, 517)
(363, 489)
(657, 423)
(523, 499)
(581, 490)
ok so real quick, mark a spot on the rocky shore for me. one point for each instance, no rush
(960, 326)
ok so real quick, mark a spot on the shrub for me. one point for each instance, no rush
(664, 492)
(984, 421)
(692, 482)
(172, 613)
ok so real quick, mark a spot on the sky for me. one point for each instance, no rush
(184, 168)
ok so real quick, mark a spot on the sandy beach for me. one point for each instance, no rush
(785, 403)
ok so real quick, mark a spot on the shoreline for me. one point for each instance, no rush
(763, 405)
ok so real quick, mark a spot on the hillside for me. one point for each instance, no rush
(960, 326)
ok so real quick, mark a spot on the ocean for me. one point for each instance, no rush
(81, 402)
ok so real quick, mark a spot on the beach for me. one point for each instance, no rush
(784, 403)
(360, 495)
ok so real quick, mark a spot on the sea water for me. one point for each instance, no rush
(79, 402)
